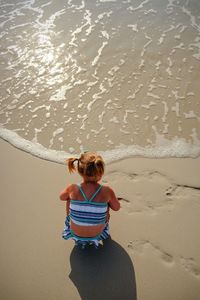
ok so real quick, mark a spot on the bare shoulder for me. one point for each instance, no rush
(65, 194)
(108, 190)
(71, 187)
(111, 198)
(72, 190)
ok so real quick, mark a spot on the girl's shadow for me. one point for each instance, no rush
(104, 273)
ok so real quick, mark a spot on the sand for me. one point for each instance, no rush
(154, 252)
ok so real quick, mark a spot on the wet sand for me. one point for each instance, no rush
(155, 246)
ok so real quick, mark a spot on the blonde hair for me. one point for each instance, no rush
(89, 164)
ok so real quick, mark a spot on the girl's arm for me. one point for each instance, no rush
(113, 202)
(65, 196)
(67, 207)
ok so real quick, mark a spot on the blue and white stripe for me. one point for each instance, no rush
(87, 213)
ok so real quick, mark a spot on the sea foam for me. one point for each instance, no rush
(163, 148)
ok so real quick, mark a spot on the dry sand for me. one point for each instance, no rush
(155, 246)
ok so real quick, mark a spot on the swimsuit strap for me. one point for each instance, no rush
(95, 193)
(82, 192)
(93, 196)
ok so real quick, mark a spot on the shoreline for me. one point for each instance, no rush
(163, 149)
(155, 233)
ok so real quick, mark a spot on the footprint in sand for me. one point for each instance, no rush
(190, 265)
(170, 191)
(144, 246)
(148, 191)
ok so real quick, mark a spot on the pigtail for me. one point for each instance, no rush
(89, 164)
(99, 164)
(70, 164)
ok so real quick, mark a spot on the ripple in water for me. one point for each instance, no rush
(121, 77)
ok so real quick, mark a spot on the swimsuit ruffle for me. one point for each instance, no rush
(68, 234)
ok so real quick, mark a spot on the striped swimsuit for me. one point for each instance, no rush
(87, 213)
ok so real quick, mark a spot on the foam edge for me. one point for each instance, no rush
(163, 148)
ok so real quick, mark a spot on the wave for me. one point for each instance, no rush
(163, 148)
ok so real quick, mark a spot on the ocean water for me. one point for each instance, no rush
(118, 77)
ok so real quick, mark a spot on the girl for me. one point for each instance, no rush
(87, 204)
